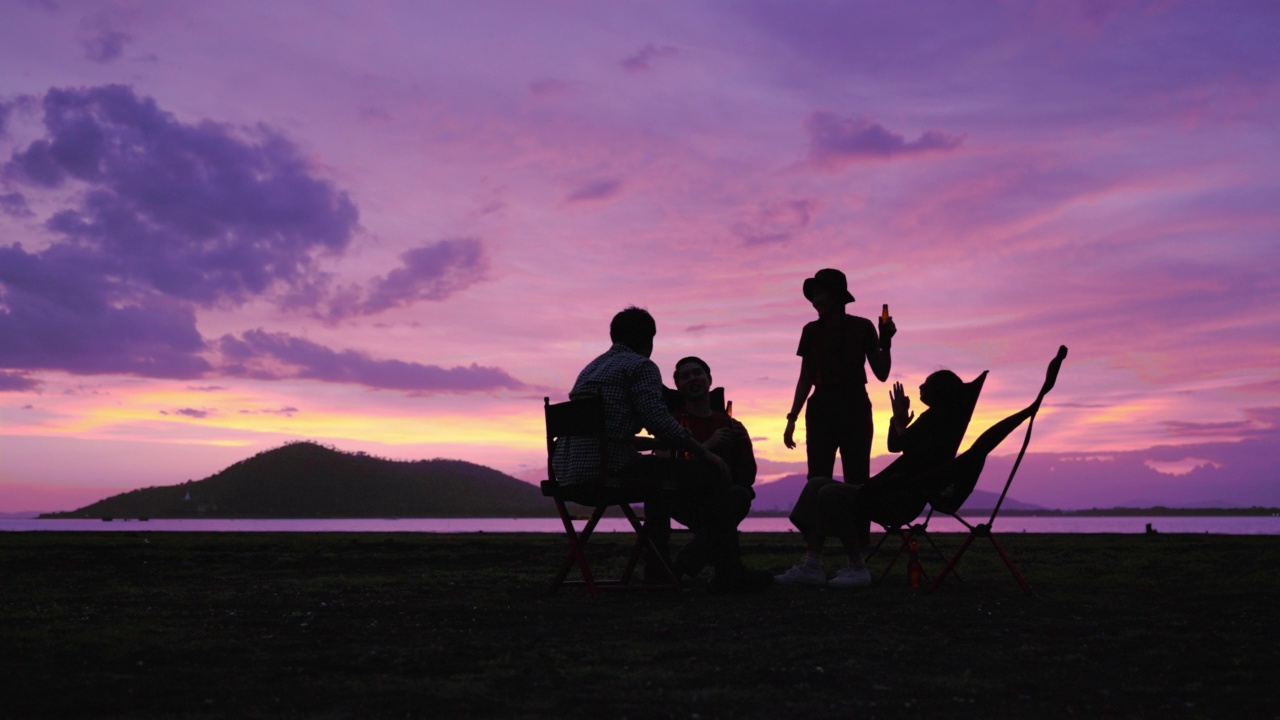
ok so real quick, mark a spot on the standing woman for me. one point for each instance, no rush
(833, 349)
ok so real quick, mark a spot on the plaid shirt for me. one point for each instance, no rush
(631, 388)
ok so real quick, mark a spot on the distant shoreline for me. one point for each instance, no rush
(975, 513)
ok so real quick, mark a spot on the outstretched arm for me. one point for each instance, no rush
(803, 385)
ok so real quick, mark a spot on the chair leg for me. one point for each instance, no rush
(887, 534)
(637, 548)
(902, 533)
(1009, 563)
(645, 541)
(941, 555)
(577, 541)
(980, 531)
(951, 564)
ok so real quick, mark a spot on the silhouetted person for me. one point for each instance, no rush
(925, 467)
(721, 434)
(833, 350)
(630, 388)
(926, 444)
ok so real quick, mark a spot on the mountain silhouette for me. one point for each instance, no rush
(308, 480)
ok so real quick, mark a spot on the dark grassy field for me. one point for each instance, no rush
(160, 625)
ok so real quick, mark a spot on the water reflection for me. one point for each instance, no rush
(1215, 525)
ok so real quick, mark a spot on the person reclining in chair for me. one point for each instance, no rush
(630, 387)
(927, 443)
(721, 434)
(897, 494)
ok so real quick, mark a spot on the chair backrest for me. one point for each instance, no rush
(962, 476)
(675, 401)
(583, 417)
(962, 412)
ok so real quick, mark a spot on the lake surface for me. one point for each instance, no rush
(1215, 525)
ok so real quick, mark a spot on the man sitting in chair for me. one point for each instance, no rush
(712, 426)
(630, 387)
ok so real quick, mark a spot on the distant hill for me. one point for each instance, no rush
(307, 480)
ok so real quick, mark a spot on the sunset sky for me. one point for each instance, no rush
(393, 227)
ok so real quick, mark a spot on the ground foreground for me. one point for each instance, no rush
(150, 625)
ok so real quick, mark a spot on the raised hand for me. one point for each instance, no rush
(901, 405)
(887, 330)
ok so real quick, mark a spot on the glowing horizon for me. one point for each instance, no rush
(394, 229)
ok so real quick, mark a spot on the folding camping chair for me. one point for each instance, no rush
(966, 469)
(948, 487)
(908, 532)
(585, 417)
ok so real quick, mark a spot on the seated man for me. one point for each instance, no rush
(722, 435)
(630, 387)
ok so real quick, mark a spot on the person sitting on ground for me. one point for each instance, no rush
(630, 387)
(926, 444)
(722, 435)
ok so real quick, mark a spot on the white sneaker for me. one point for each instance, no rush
(801, 575)
(848, 577)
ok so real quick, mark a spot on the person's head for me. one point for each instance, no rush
(828, 291)
(692, 377)
(635, 328)
(941, 389)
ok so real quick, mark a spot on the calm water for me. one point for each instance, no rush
(1216, 525)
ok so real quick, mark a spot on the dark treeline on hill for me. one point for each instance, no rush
(307, 480)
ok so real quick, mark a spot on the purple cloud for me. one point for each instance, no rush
(79, 331)
(263, 355)
(202, 212)
(639, 62)
(17, 382)
(430, 272)
(548, 88)
(15, 205)
(593, 190)
(775, 222)
(287, 411)
(835, 141)
(375, 115)
(1257, 422)
(189, 412)
(105, 46)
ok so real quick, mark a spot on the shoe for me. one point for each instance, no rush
(801, 575)
(848, 577)
(742, 581)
